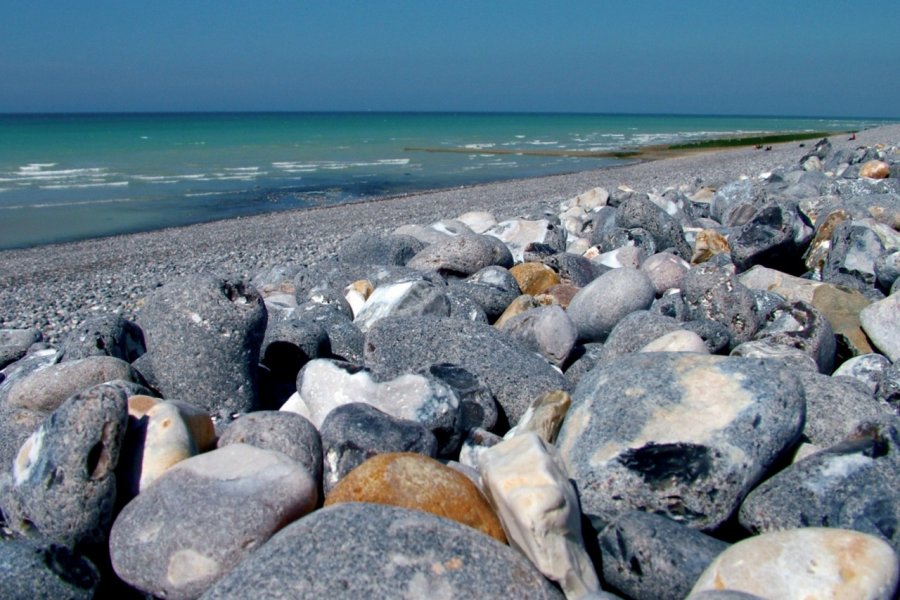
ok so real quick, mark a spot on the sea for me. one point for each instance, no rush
(66, 177)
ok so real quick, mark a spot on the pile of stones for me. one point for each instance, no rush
(639, 394)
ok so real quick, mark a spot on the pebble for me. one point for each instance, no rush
(462, 255)
(665, 270)
(534, 278)
(597, 307)
(547, 330)
(881, 322)
(14, 343)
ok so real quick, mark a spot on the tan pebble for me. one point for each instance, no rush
(534, 278)
(875, 169)
(516, 307)
(709, 243)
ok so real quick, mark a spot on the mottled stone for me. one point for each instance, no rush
(528, 486)
(34, 569)
(573, 269)
(561, 294)
(204, 516)
(14, 343)
(517, 234)
(803, 327)
(776, 235)
(477, 406)
(867, 369)
(462, 255)
(650, 557)
(547, 330)
(881, 322)
(684, 435)
(544, 417)
(345, 340)
(417, 482)
(787, 355)
(478, 221)
(378, 552)
(875, 169)
(353, 433)
(708, 244)
(714, 293)
(519, 306)
(597, 308)
(626, 256)
(806, 563)
(638, 211)
(104, 335)
(636, 330)
(406, 298)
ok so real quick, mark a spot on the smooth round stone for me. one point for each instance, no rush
(379, 552)
(875, 169)
(806, 563)
(204, 516)
(363, 248)
(534, 278)
(547, 330)
(881, 322)
(597, 307)
(868, 369)
(561, 294)
(636, 330)
(44, 570)
(665, 271)
(104, 335)
(418, 482)
(462, 255)
(282, 431)
(677, 341)
(45, 390)
(520, 305)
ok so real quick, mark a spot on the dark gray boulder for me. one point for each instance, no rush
(355, 432)
(714, 293)
(35, 569)
(104, 335)
(650, 557)
(775, 237)
(360, 550)
(547, 330)
(636, 331)
(640, 212)
(372, 249)
(63, 482)
(462, 255)
(801, 326)
(515, 376)
(684, 435)
(203, 334)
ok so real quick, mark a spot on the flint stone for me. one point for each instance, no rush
(514, 376)
(665, 271)
(547, 330)
(46, 389)
(889, 388)
(527, 485)
(104, 335)
(667, 233)
(368, 249)
(16, 425)
(572, 268)
(635, 331)
(204, 335)
(776, 235)
(477, 406)
(679, 340)
(14, 343)
(63, 482)
(650, 557)
(281, 431)
(544, 417)
(44, 570)
(715, 335)
(881, 322)
(353, 433)
(534, 277)
(204, 516)
(462, 306)
(492, 288)
(597, 307)
(887, 268)
(854, 250)
(373, 551)
(715, 293)
(787, 355)
(683, 435)
(708, 245)
(867, 369)
(478, 221)
(802, 327)
(276, 280)
(811, 562)
(517, 234)
(462, 255)
(734, 204)
(851, 485)
(609, 239)
(407, 298)
(345, 340)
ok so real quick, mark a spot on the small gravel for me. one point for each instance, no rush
(56, 287)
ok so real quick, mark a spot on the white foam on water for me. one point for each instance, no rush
(478, 146)
(542, 143)
(394, 161)
(66, 186)
(74, 203)
(242, 169)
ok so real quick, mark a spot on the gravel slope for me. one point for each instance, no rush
(56, 287)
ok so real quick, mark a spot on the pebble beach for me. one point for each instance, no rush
(673, 379)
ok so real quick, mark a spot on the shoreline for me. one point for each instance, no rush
(54, 287)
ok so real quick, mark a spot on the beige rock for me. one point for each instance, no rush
(665, 271)
(679, 340)
(626, 256)
(357, 293)
(418, 482)
(881, 322)
(806, 563)
(478, 221)
(529, 488)
(544, 417)
(590, 200)
(709, 243)
(875, 169)
(516, 307)
(562, 294)
(534, 278)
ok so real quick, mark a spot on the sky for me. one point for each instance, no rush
(755, 57)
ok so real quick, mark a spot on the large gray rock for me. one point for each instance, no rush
(597, 307)
(14, 343)
(359, 550)
(684, 435)
(650, 557)
(203, 334)
(462, 255)
(514, 375)
(638, 211)
(63, 483)
(44, 570)
(369, 249)
(204, 516)
(776, 236)
(547, 330)
(104, 335)
(714, 293)
(801, 326)
(881, 322)
(852, 485)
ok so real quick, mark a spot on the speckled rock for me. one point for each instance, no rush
(547, 330)
(205, 515)
(881, 322)
(665, 271)
(477, 406)
(462, 255)
(353, 433)
(417, 482)
(708, 244)
(492, 288)
(203, 334)
(597, 307)
(573, 269)
(515, 376)
(650, 557)
(887, 268)
(714, 293)
(345, 340)
(104, 335)
(285, 432)
(776, 236)
(635, 331)
(679, 340)
(684, 435)
(867, 369)
(803, 327)
(806, 563)
(14, 343)
(405, 298)
(63, 480)
(34, 569)
(787, 355)
(364, 248)
(854, 250)
(638, 211)
(534, 278)
(544, 417)
(343, 551)
(875, 169)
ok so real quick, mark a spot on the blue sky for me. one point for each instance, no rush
(823, 58)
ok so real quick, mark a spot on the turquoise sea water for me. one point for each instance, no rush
(69, 177)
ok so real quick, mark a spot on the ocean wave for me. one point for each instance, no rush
(478, 146)
(74, 203)
(169, 178)
(242, 169)
(542, 143)
(67, 186)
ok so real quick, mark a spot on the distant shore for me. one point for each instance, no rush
(55, 287)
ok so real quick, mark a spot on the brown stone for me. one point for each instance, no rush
(417, 482)
(875, 169)
(516, 307)
(562, 293)
(818, 249)
(842, 308)
(709, 243)
(534, 278)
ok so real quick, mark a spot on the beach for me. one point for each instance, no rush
(55, 287)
